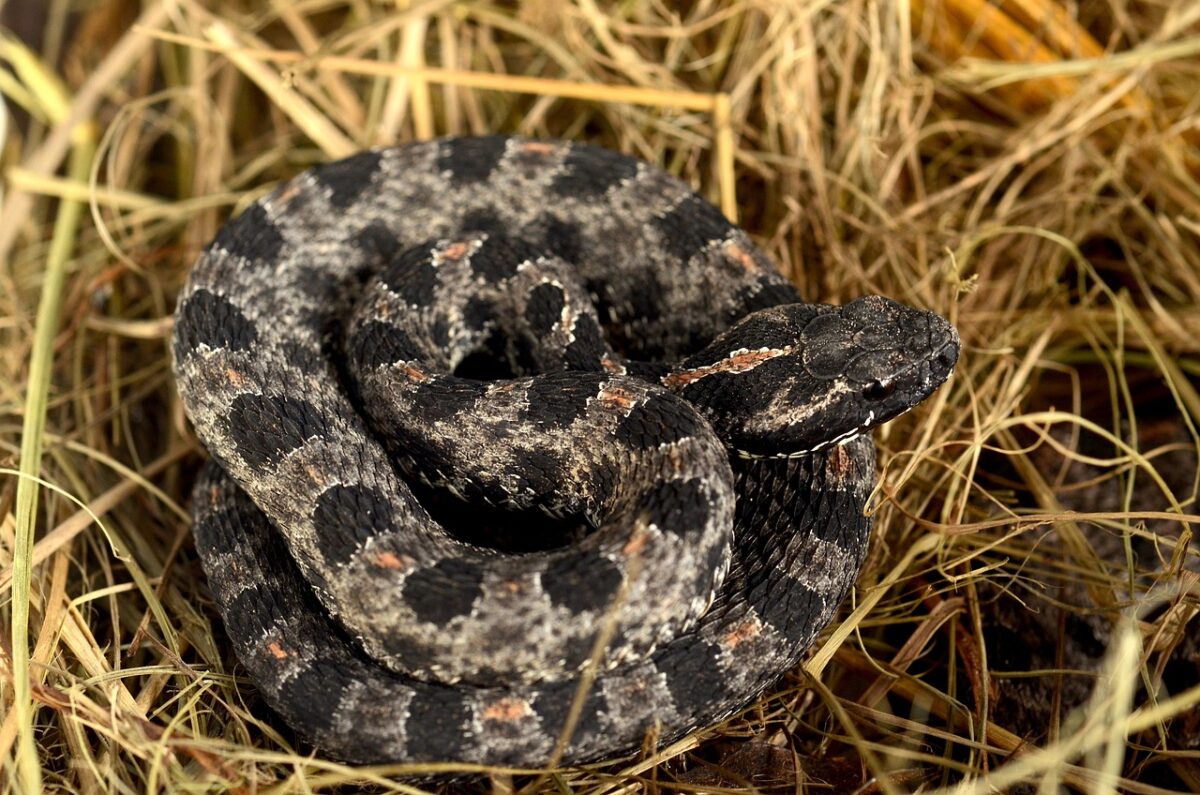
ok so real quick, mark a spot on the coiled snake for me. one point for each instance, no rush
(663, 386)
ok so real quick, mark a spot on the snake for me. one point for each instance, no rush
(521, 452)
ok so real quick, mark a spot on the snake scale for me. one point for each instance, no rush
(539, 328)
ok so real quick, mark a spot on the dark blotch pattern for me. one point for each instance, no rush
(446, 397)
(541, 473)
(345, 517)
(484, 221)
(579, 585)
(497, 260)
(305, 358)
(562, 238)
(377, 242)
(433, 714)
(554, 704)
(471, 159)
(439, 332)
(544, 309)
(761, 295)
(691, 226)
(591, 171)
(209, 319)
(662, 418)
(252, 235)
(588, 347)
(252, 612)
(378, 344)
(556, 401)
(412, 276)
(444, 591)
(693, 675)
(347, 179)
(477, 313)
(267, 427)
(309, 693)
(787, 605)
(679, 506)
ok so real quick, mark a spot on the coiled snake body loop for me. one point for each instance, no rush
(662, 385)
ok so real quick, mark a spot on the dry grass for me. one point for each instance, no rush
(1029, 170)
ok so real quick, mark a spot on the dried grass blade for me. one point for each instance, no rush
(41, 362)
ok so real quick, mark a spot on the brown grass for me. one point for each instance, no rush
(1027, 169)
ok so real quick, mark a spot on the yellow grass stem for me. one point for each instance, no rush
(316, 126)
(41, 361)
(541, 86)
(50, 154)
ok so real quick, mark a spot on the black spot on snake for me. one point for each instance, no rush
(591, 172)
(471, 159)
(316, 283)
(412, 276)
(677, 507)
(555, 402)
(762, 294)
(478, 313)
(211, 320)
(588, 347)
(304, 358)
(381, 344)
(271, 426)
(691, 226)
(448, 589)
(448, 397)
(252, 235)
(378, 243)
(541, 472)
(553, 705)
(717, 557)
(485, 221)
(641, 292)
(718, 392)
(788, 606)
(433, 713)
(544, 307)
(497, 259)
(347, 179)
(561, 237)
(694, 677)
(310, 689)
(251, 611)
(439, 332)
(345, 517)
(577, 587)
(660, 419)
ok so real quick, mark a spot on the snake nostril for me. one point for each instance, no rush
(946, 360)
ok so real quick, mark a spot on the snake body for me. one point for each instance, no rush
(660, 386)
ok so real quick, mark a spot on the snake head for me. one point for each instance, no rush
(788, 380)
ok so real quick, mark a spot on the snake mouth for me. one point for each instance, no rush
(843, 438)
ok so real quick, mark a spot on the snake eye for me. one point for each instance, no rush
(878, 390)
